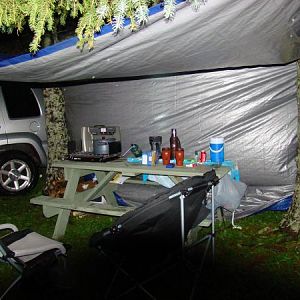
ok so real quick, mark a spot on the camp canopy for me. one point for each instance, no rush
(222, 34)
(226, 70)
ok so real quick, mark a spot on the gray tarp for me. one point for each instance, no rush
(254, 109)
(222, 34)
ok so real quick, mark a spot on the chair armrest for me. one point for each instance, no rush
(8, 226)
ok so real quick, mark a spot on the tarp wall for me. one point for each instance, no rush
(226, 70)
(254, 109)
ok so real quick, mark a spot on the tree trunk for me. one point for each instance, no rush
(57, 136)
(291, 220)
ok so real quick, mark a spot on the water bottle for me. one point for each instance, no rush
(174, 143)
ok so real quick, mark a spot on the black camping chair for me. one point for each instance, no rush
(155, 230)
(28, 252)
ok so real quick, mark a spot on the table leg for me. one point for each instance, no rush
(61, 224)
(72, 175)
(220, 214)
(103, 188)
(107, 192)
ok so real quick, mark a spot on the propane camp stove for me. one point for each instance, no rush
(90, 156)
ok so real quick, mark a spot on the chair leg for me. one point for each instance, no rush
(140, 285)
(120, 269)
(199, 270)
(107, 293)
(11, 286)
(136, 285)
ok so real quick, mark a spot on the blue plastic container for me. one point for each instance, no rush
(216, 149)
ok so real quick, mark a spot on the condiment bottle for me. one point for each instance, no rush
(174, 142)
(136, 151)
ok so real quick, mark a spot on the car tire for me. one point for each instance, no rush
(18, 173)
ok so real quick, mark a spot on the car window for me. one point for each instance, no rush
(20, 102)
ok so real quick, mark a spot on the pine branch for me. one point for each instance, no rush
(11, 15)
(141, 11)
(169, 9)
(89, 23)
(92, 14)
(40, 18)
(119, 8)
(196, 4)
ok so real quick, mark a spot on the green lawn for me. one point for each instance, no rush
(255, 261)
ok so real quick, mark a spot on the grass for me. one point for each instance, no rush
(257, 261)
(18, 210)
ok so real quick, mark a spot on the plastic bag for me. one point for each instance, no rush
(228, 193)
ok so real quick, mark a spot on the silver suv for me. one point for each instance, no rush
(23, 141)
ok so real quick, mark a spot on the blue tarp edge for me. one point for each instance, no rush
(281, 205)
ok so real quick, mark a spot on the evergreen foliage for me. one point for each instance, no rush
(44, 15)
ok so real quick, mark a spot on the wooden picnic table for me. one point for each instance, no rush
(105, 172)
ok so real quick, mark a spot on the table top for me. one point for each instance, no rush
(126, 168)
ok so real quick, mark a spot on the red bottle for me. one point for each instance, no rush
(174, 143)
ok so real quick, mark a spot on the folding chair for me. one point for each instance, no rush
(28, 252)
(154, 232)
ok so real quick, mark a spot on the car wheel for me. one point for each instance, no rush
(18, 173)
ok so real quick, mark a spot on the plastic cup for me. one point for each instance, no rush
(166, 155)
(179, 155)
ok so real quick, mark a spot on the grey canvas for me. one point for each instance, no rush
(254, 109)
(227, 70)
(222, 34)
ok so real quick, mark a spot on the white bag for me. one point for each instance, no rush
(228, 193)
